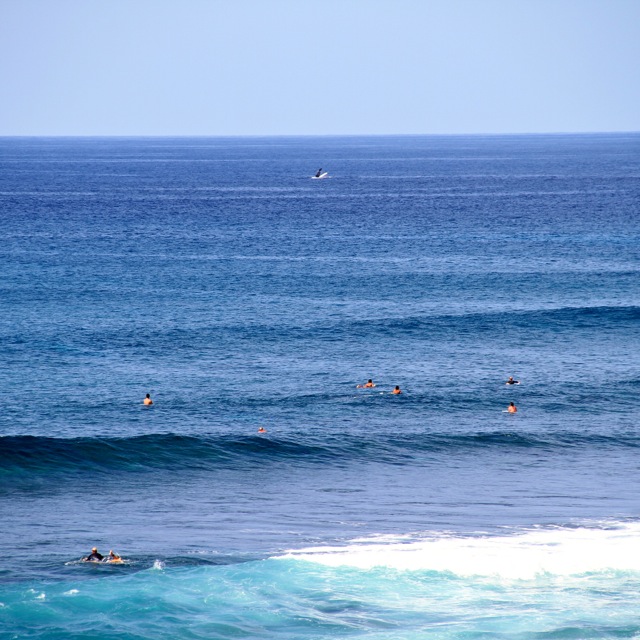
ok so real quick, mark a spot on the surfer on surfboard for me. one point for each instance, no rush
(94, 556)
(114, 558)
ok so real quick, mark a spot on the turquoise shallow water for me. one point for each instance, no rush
(560, 583)
(215, 275)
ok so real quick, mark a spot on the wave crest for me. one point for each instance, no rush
(33, 454)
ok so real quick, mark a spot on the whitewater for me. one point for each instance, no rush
(217, 276)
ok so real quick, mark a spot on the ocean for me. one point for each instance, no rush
(217, 276)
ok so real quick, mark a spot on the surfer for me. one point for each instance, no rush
(114, 558)
(262, 430)
(94, 556)
(148, 401)
(367, 385)
(512, 408)
(512, 381)
(397, 391)
(319, 172)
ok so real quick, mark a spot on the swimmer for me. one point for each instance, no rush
(114, 558)
(148, 401)
(512, 381)
(397, 391)
(512, 408)
(262, 430)
(367, 385)
(94, 556)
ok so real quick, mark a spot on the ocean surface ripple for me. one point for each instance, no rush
(218, 277)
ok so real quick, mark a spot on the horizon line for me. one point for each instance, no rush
(322, 135)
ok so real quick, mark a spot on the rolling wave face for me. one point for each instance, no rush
(33, 455)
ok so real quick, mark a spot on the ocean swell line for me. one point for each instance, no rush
(32, 454)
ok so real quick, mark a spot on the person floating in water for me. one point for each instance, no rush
(148, 401)
(367, 385)
(94, 556)
(512, 408)
(319, 172)
(512, 381)
(262, 430)
(114, 558)
(397, 391)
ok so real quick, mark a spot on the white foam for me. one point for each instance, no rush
(158, 565)
(521, 555)
(71, 592)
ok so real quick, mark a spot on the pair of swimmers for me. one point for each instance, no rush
(96, 556)
(512, 407)
(369, 384)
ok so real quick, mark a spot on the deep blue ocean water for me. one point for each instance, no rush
(217, 276)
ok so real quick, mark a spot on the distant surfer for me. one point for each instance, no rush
(397, 391)
(369, 384)
(319, 173)
(94, 556)
(148, 401)
(512, 408)
(262, 430)
(512, 381)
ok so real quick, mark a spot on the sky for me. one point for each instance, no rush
(318, 67)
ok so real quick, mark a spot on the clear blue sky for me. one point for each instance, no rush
(278, 67)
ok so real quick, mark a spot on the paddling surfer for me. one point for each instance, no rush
(94, 556)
